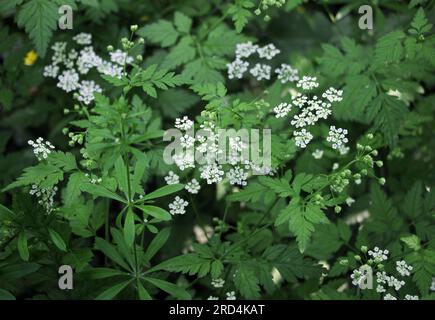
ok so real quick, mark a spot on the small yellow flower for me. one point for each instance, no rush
(30, 58)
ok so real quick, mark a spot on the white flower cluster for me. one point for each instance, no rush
(384, 281)
(302, 138)
(93, 179)
(177, 206)
(218, 283)
(231, 295)
(41, 148)
(193, 186)
(287, 74)
(317, 154)
(45, 195)
(403, 268)
(337, 136)
(236, 169)
(311, 111)
(172, 178)
(239, 66)
(67, 67)
(282, 110)
(378, 254)
(307, 83)
(261, 71)
(360, 275)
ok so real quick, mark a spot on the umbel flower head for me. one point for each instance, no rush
(41, 148)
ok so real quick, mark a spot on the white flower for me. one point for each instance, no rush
(287, 74)
(302, 138)
(403, 268)
(378, 255)
(41, 148)
(184, 161)
(317, 154)
(83, 38)
(380, 289)
(432, 287)
(51, 71)
(218, 283)
(359, 276)
(212, 172)
(231, 295)
(268, 51)
(110, 69)
(45, 196)
(68, 80)
(333, 95)
(307, 83)
(86, 91)
(172, 178)
(120, 57)
(192, 186)
(299, 100)
(409, 297)
(337, 137)
(187, 141)
(343, 150)
(87, 60)
(212, 298)
(282, 110)
(183, 123)
(244, 50)
(177, 206)
(350, 201)
(237, 176)
(389, 297)
(237, 68)
(261, 71)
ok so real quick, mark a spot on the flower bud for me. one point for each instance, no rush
(357, 257)
(257, 12)
(337, 209)
(109, 48)
(364, 249)
(381, 181)
(370, 136)
(133, 28)
(379, 163)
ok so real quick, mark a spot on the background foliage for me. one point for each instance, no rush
(281, 237)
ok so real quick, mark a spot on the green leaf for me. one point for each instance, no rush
(247, 282)
(100, 191)
(143, 294)
(64, 161)
(190, 263)
(412, 241)
(121, 175)
(110, 252)
(170, 288)
(73, 188)
(113, 291)
(155, 212)
(161, 32)
(39, 19)
(6, 295)
(182, 22)
(57, 240)
(129, 228)
(23, 249)
(103, 273)
(164, 191)
(413, 201)
(6, 214)
(157, 243)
